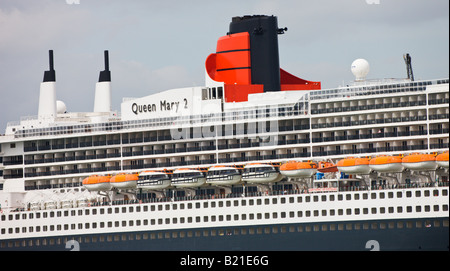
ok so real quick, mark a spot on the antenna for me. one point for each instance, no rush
(409, 70)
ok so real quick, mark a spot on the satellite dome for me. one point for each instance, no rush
(60, 107)
(360, 69)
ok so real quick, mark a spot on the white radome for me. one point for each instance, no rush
(360, 68)
(61, 107)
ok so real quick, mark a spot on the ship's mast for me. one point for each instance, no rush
(409, 70)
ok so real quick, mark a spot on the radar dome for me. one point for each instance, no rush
(60, 107)
(360, 69)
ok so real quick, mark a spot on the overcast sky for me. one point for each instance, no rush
(159, 45)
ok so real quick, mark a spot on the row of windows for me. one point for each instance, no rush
(227, 203)
(235, 217)
(227, 232)
(258, 112)
(373, 89)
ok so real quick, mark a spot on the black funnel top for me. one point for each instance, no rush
(263, 31)
(50, 76)
(105, 76)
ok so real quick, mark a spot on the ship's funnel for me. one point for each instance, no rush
(102, 100)
(47, 95)
(247, 60)
(263, 33)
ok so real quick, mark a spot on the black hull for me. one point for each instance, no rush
(385, 235)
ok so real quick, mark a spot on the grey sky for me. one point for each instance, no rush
(159, 45)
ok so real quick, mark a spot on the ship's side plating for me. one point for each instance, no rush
(420, 213)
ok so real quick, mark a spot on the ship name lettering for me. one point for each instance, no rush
(169, 105)
(142, 108)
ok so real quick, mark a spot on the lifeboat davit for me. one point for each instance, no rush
(223, 175)
(354, 165)
(187, 177)
(124, 180)
(420, 161)
(298, 169)
(261, 173)
(386, 163)
(97, 183)
(153, 180)
(442, 160)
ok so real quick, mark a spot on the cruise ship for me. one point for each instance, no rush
(257, 159)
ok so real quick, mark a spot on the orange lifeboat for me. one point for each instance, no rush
(298, 169)
(386, 163)
(420, 161)
(354, 165)
(97, 183)
(442, 160)
(325, 167)
(125, 180)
